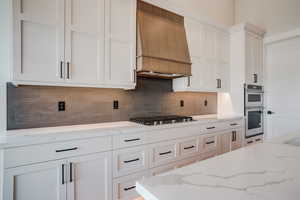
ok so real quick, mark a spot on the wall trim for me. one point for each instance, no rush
(282, 36)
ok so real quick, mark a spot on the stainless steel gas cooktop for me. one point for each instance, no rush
(159, 120)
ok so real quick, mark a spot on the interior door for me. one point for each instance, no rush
(38, 40)
(90, 177)
(35, 182)
(282, 87)
(85, 35)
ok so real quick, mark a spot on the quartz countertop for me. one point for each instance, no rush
(258, 172)
(14, 138)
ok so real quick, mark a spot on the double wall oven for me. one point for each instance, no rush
(254, 110)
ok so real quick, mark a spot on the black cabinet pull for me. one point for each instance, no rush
(71, 172)
(211, 142)
(133, 160)
(213, 127)
(61, 70)
(233, 124)
(132, 140)
(134, 76)
(64, 150)
(233, 136)
(258, 140)
(190, 147)
(165, 153)
(63, 174)
(255, 76)
(129, 188)
(249, 142)
(68, 70)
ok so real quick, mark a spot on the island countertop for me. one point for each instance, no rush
(258, 172)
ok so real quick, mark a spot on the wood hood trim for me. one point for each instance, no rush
(161, 41)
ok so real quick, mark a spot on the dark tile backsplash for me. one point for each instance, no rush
(37, 106)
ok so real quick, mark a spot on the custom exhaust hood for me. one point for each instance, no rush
(162, 49)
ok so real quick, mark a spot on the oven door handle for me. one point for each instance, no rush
(270, 112)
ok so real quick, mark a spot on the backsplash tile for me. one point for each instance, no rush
(36, 106)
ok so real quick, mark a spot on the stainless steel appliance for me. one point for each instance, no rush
(254, 121)
(160, 120)
(253, 96)
(254, 110)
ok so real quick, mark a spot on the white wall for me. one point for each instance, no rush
(273, 15)
(219, 12)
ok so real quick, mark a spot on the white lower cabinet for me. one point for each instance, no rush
(129, 161)
(35, 182)
(78, 178)
(90, 177)
(124, 187)
(77, 170)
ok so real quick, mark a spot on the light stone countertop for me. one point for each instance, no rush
(24, 137)
(258, 172)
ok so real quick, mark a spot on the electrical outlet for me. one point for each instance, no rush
(181, 103)
(116, 104)
(205, 103)
(61, 106)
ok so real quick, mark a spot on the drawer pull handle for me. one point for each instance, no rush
(165, 153)
(129, 188)
(71, 172)
(63, 150)
(63, 174)
(213, 127)
(233, 139)
(133, 160)
(249, 142)
(132, 140)
(258, 140)
(234, 124)
(211, 142)
(190, 147)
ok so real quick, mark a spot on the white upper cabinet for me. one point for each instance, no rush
(38, 40)
(88, 43)
(209, 50)
(254, 59)
(122, 59)
(85, 39)
(247, 53)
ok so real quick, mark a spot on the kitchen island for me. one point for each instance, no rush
(258, 172)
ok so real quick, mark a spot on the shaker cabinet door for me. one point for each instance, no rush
(90, 177)
(38, 40)
(85, 24)
(254, 59)
(121, 63)
(45, 181)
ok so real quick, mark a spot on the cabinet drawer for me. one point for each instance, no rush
(208, 143)
(213, 127)
(234, 124)
(254, 140)
(188, 147)
(46, 152)
(124, 188)
(130, 160)
(164, 153)
(123, 141)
